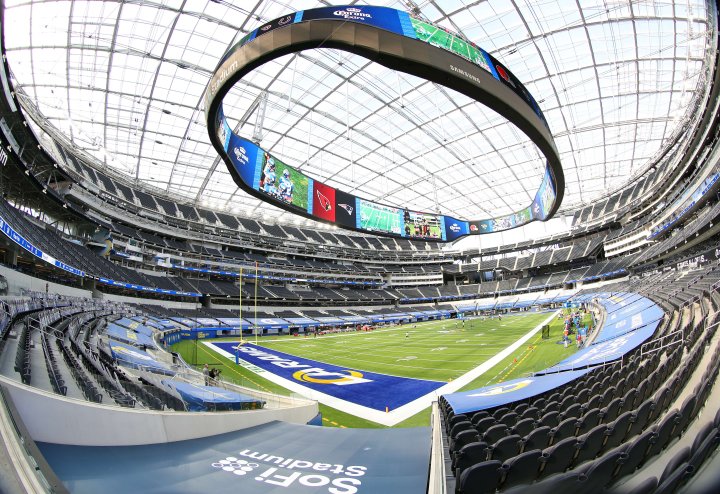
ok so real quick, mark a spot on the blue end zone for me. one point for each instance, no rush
(368, 389)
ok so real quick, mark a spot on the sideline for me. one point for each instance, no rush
(402, 413)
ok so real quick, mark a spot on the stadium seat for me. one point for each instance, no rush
(610, 412)
(484, 424)
(531, 413)
(663, 432)
(549, 419)
(628, 401)
(522, 469)
(687, 410)
(558, 457)
(705, 443)
(617, 431)
(469, 455)
(495, 433)
(505, 448)
(634, 455)
(590, 444)
(456, 419)
(480, 478)
(640, 417)
(508, 419)
(675, 479)
(590, 419)
(524, 427)
(537, 439)
(680, 457)
(463, 438)
(564, 429)
(459, 427)
(600, 472)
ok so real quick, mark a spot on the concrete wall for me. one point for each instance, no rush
(19, 281)
(56, 419)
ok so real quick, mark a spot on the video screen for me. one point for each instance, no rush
(440, 38)
(422, 225)
(378, 217)
(283, 183)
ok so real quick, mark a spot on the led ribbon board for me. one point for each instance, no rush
(401, 42)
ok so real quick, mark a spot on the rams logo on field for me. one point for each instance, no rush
(505, 388)
(320, 376)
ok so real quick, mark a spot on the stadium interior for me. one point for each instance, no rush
(130, 258)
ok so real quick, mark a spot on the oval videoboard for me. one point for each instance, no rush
(397, 40)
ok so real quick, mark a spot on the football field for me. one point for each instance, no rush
(434, 350)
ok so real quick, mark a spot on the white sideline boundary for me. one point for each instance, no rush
(404, 412)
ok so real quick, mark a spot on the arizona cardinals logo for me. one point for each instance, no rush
(503, 73)
(347, 207)
(324, 201)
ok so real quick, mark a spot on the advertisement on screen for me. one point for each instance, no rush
(422, 225)
(284, 183)
(324, 201)
(455, 228)
(382, 17)
(244, 156)
(378, 217)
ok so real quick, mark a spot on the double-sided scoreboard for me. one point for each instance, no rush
(399, 41)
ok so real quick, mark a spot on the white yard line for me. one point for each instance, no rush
(404, 412)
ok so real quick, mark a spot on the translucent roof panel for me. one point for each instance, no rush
(124, 83)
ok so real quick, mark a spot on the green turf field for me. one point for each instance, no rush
(434, 350)
(447, 41)
(379, 218)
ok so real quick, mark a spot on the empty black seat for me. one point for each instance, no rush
(469, 455)
(538, 439)
(663, 433)
(522, 469)
(610, 412)
(508, 419)
(574, 411)
(617, 430)
(635, 454)
(590, 444)
(524, 427)
(550, 419)
(600, 472)
(558, 457)
(480, 479)
(505, 448)
(640, 417)
(463, 438)
(590, 419)
(705, 443)
(484, 424)
(495, 433)
(681, 457)
(564, 429)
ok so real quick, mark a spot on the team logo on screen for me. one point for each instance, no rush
(473, 228)
(324, 201)
(348, 208)
(503, 73)
(285, 20)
